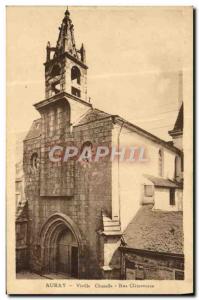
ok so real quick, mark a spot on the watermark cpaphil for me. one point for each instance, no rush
(94, 153)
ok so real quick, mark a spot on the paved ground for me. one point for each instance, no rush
(57, 276)
(29, 275)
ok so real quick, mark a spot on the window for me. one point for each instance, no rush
(172, 196)
(76, 81)
(160, 161)
(75, 92)
(56, 70)
(139, 273)
(56, 88)
(75, 75)
(86, 151)
(148, 190)
(34, 161)
(178, 167)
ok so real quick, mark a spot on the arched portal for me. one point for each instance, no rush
(61, 245)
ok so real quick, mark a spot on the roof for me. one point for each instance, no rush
(60, 96)
(155, 230)
(178, 127)
(95, 114)
(35, 130)
(146, 134)
(92, 115)
(162, 182)
(179, 122)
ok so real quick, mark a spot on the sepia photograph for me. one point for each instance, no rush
(99, 159)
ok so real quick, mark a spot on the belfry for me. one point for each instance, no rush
(65, 66)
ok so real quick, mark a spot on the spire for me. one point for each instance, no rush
(65, 66)
(66, 41)
(67, 13)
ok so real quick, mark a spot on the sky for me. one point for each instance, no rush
(134, 55)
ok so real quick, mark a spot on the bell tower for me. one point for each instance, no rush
(65, 66)
(64, 104)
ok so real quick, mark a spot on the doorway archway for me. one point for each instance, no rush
(61, 245)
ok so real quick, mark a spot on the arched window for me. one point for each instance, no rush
(160, 161)
(55, 79)
(75, 75)
(177, 167)
(56, 70)
(34, 161)
(86, 152)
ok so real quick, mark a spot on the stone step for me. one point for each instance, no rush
(112, 228)
(57, 276)
(110, 221)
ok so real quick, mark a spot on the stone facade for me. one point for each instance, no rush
(82, 196)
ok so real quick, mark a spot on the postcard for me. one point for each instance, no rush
(99, 150)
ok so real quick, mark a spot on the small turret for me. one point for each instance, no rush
(83, 53)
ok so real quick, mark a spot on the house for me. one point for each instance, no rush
(152, 244)
(78, 210)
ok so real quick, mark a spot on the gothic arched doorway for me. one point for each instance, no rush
(67, 254)
(60, 246)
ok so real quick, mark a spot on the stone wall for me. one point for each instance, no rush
(93, 188)
(21, 228)
(91, 193)
(56, 179)
(143, 265)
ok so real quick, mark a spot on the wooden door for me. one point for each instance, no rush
(74, 262)
(67, 254)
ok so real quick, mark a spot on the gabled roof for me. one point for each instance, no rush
(92, 115)
(155, 230)
(35, 130)
(163, 182)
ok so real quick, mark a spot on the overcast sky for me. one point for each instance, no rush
(134, 56)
